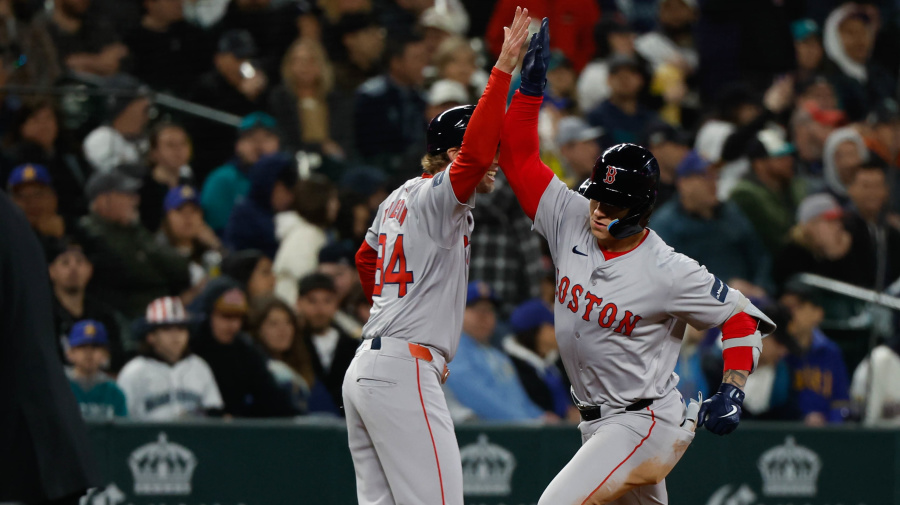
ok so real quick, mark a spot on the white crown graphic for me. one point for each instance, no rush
(789, 470)
(487, 468)
(162, 468)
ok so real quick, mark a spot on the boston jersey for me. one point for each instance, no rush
(421, 235)
(620, 321)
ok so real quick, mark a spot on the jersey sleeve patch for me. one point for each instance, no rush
(719, 290)
(438, 179)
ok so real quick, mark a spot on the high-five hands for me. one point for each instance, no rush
(537, 59)
(513, 38)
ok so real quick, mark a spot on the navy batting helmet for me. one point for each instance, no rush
(446, 130)
(626, 176)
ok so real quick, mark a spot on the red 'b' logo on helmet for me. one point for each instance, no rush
(610, 175)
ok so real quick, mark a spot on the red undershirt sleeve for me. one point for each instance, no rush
(737, 326)
(481, 138)
(520, 157)
(365, 266)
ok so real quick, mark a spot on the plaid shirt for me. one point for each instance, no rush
(505, 252)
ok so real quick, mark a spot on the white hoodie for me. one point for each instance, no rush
(834, 47)
(829, 170)
(298, 253)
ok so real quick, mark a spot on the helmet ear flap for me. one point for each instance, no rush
(630, 224)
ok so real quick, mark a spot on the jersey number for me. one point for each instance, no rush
(396, 272)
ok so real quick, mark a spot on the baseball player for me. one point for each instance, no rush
(414, 265)
(623, 301)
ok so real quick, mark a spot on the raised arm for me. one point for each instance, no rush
(476, 155)
(519, 145)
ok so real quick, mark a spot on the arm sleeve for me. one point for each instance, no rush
(365, 266)
(481, 138)
(698, 297)
(520, 153)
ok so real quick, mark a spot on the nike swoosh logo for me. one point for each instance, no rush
(733, 412)
(576, 251)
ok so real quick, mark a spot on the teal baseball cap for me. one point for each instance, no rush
(803, 29)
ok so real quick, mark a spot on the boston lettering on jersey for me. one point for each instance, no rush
(608, 314)
(396, 210)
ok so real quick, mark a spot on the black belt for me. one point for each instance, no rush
(592, 412)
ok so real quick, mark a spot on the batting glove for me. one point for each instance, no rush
(722, 412)
(537, 59)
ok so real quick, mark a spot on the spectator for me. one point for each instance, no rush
(445, 94)
(167, 52)
(84, 43)
(670, 147)
(873, 386)
(818, 244)
(716, 234)
(672, 43)
(810, 125)
(34, 138)
(845, 150)
(578, 148)
(235, 84)
(257, 137)
(571, 23)
(130, 268)
(302, 232)
(533, 351)
(440, 22)
(560, 91)
(875, 245)
(361, 44)
(169, 383)
(272, 24)
(247, 387)
(252, 222)
(31, 188)
(184, 231)
(303, 103)
(276, 331)
(505, 253)
(317, 304)
(70, 272)
(205, 13)
(613, 39)
(770, 383)
(455, 60)
(122, 140)
(338, 261)
(861, 83)
(97, 393)
(484, 379)
(389, 112)
(690, 367)
(622, 116)
(769, 194)
(170, 153)
(26, 41)
(253, 272)
(808, 49)
(820, 380)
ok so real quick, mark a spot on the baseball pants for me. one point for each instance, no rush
(625, 457)
(401, 436)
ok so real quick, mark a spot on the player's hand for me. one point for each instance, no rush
(537, 59)
(722, 413)
(513, 38)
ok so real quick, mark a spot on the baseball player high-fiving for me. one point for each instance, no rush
(623, 300)
(414, 266)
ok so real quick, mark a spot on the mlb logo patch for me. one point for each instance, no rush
(719, 290)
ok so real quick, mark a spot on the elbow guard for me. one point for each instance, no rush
(742, 336)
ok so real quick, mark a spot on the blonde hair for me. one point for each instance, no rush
(434, 163)
(326, 79)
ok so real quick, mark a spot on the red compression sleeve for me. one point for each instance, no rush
(737, 326)
(481, 138)
(365, 266)
(520, 156)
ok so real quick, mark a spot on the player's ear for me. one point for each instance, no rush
(452, 152)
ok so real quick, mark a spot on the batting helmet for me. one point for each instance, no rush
(627, 176)
(446, 130)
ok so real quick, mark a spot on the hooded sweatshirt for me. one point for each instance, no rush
(836, 138)
(252, 222)
(240, 370)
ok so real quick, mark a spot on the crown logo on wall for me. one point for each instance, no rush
(162, 468)
(789, 470)
(487, 468)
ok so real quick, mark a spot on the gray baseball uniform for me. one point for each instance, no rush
(619, 324)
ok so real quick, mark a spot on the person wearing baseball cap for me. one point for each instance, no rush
(534, 352)
(241, 373)
(257, 136)
(166, 365)
(485, 379)
(578, 147)
(130, 268)
(88, 350)
(31, 189)
(184, 230)
(669, 146)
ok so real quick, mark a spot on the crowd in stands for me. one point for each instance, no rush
(200, 174)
